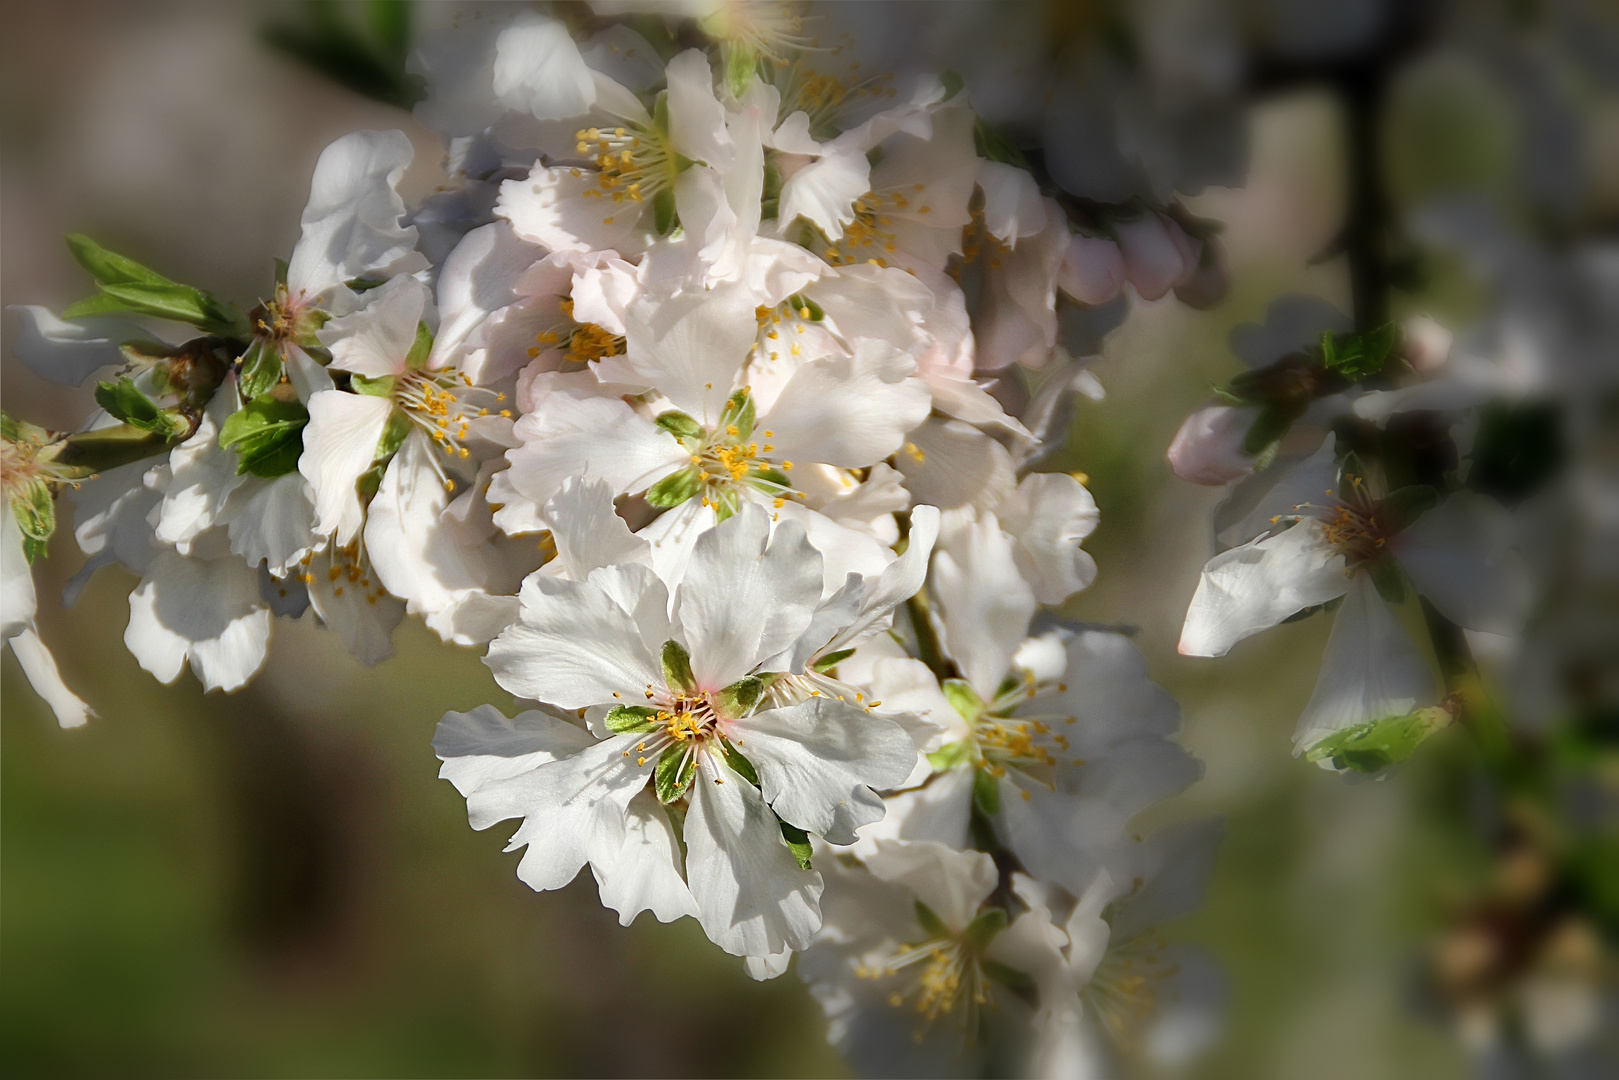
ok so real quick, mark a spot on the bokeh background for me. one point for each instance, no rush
(274, 882)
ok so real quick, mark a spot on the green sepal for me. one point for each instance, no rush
(993, 145)
(831, 660)
(260, 370)
(381, 386)
(107, 448)
(929, 921)
(660, 112)
(725, 504)
(679, 425)
(741, 64)
(963, 698)
(33, 549)
(1388, 578)
(675, 488)
(1351, 474)
(416, 359)
(109, 267)
(35, 511)
(950, 755)
(124, 401)
(1377, 744)
(986, 792)
(739, 763)
(982, 930)
(805, 308)
(1011, 978)
(774, 478)
(674, 773)
(797, 841)
(677, 674)
(1402, 506)
(281, 273)
(739, 699)
(267, 435)
(393, 435)
(370, 481)
(1268, 428)
(738, 413)
(952, 82)
(1359, 356)
(770, 198)
(631, 719)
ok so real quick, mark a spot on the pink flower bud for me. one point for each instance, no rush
(1425, 343)
(1092, 269)
(1208, 447)
(1158, 255)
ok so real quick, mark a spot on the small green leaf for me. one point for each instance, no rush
(831, 660)
(677, 674)
(739, 699)
(381, 386)
(950, 755)
(679, 425)
(1359, 356)
(738, 762)
(416, 359)
(770, 199)
(124, 401)
(982, 930)
(738, 413)
(674, 773)
(91, 306)
(631, 719)
(986, 792)
(261, 367)
(1377, 744)
(267, 435)
(963, 698)
(33, 549)
(797, 841)
(110, 268)
(929, 921)
(675, 488)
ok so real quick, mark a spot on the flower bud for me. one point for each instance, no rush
(1158, 255)
(1425, 343)
(1092, 270)
(1208, 447)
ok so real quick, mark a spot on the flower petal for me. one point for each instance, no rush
(485, 745)
(207, 611)
(351, 223)
(644, 874)
(340, 442)
(1255, 586)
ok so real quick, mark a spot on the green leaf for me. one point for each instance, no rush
(950, 755)
(124, 401)
(108, 267)
(675, 488)
(677, 674)
(963, 698)
(738, 413)
(631, 719)
(281, 272)
(832, 660)
(179, 303)
(738, 699)
(679, 425)
(673, 774)
(381, 386)
(772, 480)
(267, 435)
(91, 306)
(260, 370)
(986, 792)
(797, 841)
(1377, 744)
(982, 930)
(660, 111)
(770, 199)
(929, 921)
(368, 59)
(742, 766)
(1359, 356)
(416, 359)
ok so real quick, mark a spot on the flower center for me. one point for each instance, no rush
(1123, 992)
(444, 403)
(632, 164)
(936, 977)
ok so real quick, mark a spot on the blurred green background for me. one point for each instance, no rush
(274, 882)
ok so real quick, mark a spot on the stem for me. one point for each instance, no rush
(919, 607)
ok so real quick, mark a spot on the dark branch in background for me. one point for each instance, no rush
(365, 54)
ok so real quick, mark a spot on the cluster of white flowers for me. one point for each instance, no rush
(707, 401)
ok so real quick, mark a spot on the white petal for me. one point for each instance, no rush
(375, 339)
(1255, 586)
(484, 745)
(818, 761)
(111, 516)
(948, 464)
(696, 117)
(746, 595)
(207, 611)
(549, 207)
(1050, 515)
(952, 883)
(939, 810)
(985, 603)
(1371, 670)
(588, 533)
(1279, 491)
(69, 351)
(273, 521)
(849, 411)
(40, 667)
(340, 443)
(538, 69)
(477, 279)
(1457, 556)
(691, 348)
(824, 191)
(1012, 204)
(752, 898)
(17, 600)
(644, 874)
(351, 223)
(574, 647)
(762, 968)
(589, 435)
(360, 616)
(573, 810)
(204, 477)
